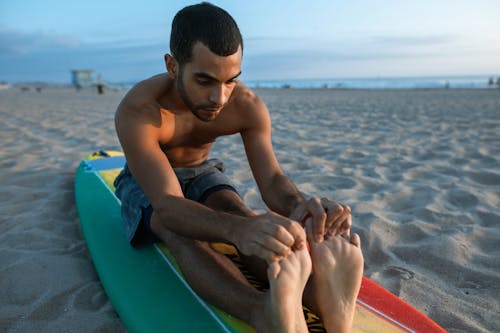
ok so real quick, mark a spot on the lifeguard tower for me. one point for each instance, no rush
(81, 78)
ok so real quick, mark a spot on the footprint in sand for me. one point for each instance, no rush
(394, 275)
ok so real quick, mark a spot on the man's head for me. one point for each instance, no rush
(205, 23)
(206, 47)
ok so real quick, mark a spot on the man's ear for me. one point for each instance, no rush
(172, 66)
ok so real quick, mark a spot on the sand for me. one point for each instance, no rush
(420, 169)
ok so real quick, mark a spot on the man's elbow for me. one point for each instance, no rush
(165, 206)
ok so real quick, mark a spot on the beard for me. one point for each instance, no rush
(198, 110)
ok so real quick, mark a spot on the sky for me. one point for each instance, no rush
(125, 41)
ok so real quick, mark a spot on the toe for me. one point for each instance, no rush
(355, 240)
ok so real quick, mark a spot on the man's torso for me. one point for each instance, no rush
(184, 139)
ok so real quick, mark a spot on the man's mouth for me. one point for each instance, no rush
(211, 109)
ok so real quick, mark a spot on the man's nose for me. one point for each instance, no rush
(219, 95)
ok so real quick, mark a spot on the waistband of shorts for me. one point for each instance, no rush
(186, 173)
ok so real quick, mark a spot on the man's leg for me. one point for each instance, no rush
(211, 274)
(230, 202)
(338, 265)
(217, 279)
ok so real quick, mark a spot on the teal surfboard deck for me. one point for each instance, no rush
(143, 285)
(149, 293)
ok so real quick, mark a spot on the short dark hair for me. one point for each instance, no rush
(204, 23)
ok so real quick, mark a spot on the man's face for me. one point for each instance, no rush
(207, 81)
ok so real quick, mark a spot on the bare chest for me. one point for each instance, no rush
(190, 143)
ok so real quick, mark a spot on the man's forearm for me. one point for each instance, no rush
(282, 196)
(193, 220)
(268, 236)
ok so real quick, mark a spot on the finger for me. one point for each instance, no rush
(316, 210)
(260, 251)
(333, 210)
(345, 228)
(287, 232)
(268, 256)
(299, 235)
(296, 236)
(341, 219)
(281, 231)
(309, 230)
(273, 245)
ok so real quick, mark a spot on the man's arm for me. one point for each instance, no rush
(278, 191)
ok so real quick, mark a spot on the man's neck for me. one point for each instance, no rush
(171, 99)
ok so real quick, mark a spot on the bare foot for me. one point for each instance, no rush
(282, 311)
(337, 272)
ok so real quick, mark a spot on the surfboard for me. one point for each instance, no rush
(149, 293)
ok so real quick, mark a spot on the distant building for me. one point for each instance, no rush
(82, 78)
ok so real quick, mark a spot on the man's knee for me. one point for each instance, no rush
(167, 237)
(227, 201)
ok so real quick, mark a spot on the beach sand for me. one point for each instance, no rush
(420, 170)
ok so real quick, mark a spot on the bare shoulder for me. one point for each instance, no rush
(140, 110)
(249, 106)
(244, 97)
(145, 93)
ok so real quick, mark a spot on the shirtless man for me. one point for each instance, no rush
(171, 192)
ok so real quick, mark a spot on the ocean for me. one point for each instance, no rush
(455, 82)
(377, 83)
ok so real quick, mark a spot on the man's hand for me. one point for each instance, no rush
(270, 237)
(329, 218)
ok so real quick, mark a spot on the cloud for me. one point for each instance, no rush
(18, 42)
(339, 48)
(52, 59)
(342, 62)
(428, 40)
